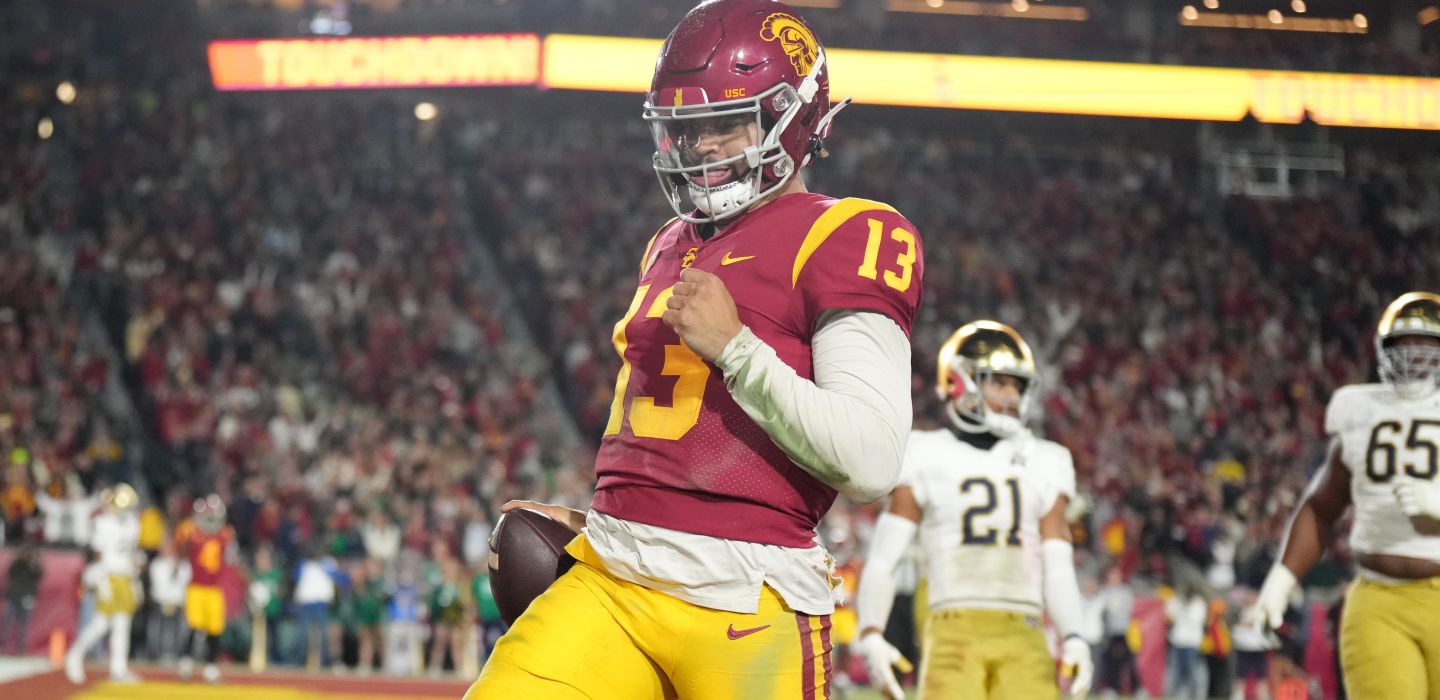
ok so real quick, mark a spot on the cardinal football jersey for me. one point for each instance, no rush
(1385, 439)
(980, 532)
(206, 552)
(678, 452)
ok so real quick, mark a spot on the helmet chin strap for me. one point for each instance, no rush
(1000, 425)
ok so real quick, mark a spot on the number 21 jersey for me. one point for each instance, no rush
(980, 531)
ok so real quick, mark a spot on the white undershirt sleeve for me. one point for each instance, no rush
(1062, 589)
(876, 596)
(848, 427)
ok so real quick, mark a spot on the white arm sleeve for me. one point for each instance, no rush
(848, 427)
(877, 580)
(1062, 589)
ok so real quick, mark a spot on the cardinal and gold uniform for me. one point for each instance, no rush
(680, 454)
(204, 601)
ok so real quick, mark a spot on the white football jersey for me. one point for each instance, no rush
(980, 531)
(116, 539)
(1384, 439)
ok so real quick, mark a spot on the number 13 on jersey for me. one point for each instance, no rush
(905, 261)
(646, 418)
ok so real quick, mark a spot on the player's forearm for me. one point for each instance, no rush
(1061, 587)
(848, 427)
(1305, 539)
(876, 594)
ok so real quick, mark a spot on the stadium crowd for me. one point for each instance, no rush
(346, 322)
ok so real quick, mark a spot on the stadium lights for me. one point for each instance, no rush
(65, 92)
(1298, 6)
(425, 111)
(1356, 25)
(45, 128)
(1012, 9)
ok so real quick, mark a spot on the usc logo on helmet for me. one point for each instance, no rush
(794, 37)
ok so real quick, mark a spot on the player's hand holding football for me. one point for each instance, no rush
(571, 518)
(703, 313)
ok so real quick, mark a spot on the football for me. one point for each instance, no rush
(527, 554)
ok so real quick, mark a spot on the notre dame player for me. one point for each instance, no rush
(1384, 450)
(987, 499)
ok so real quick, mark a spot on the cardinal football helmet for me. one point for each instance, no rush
(1413, 369)
(210, 514)
(731, 65)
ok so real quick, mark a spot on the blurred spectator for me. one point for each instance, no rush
(487, 611)
(169, 576)
(22, 586)
(1252, 671)
(1187, 612)
(314, 594)
(451, 613)
(1116, 671)
(371, 601)
(271, 579)
(381, 536)
(67, 515)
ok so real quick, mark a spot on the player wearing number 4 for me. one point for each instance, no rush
(209, 543)
(987, 499)
(1384, 449)
(765, 366)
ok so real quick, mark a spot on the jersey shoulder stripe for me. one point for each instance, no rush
(827, 223)
(651, 252)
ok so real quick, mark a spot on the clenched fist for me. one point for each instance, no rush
(703, 313)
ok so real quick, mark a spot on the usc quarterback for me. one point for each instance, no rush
(765, 366)
(987, 499)
(1383, 459)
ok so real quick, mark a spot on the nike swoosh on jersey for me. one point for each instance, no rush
(727, 260)
(736, 634)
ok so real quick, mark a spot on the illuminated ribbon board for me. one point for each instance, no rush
(376, 62)
(575, 62)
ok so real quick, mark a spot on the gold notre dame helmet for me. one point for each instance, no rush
(1412, 369)
(974, 352)
(120, 497)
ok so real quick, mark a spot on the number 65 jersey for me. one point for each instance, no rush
(980, 529)
(1384, 440)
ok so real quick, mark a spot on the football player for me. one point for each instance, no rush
(1383, 458)
(987, 499)
(209, 543)
(765, 367)
(116, 540)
